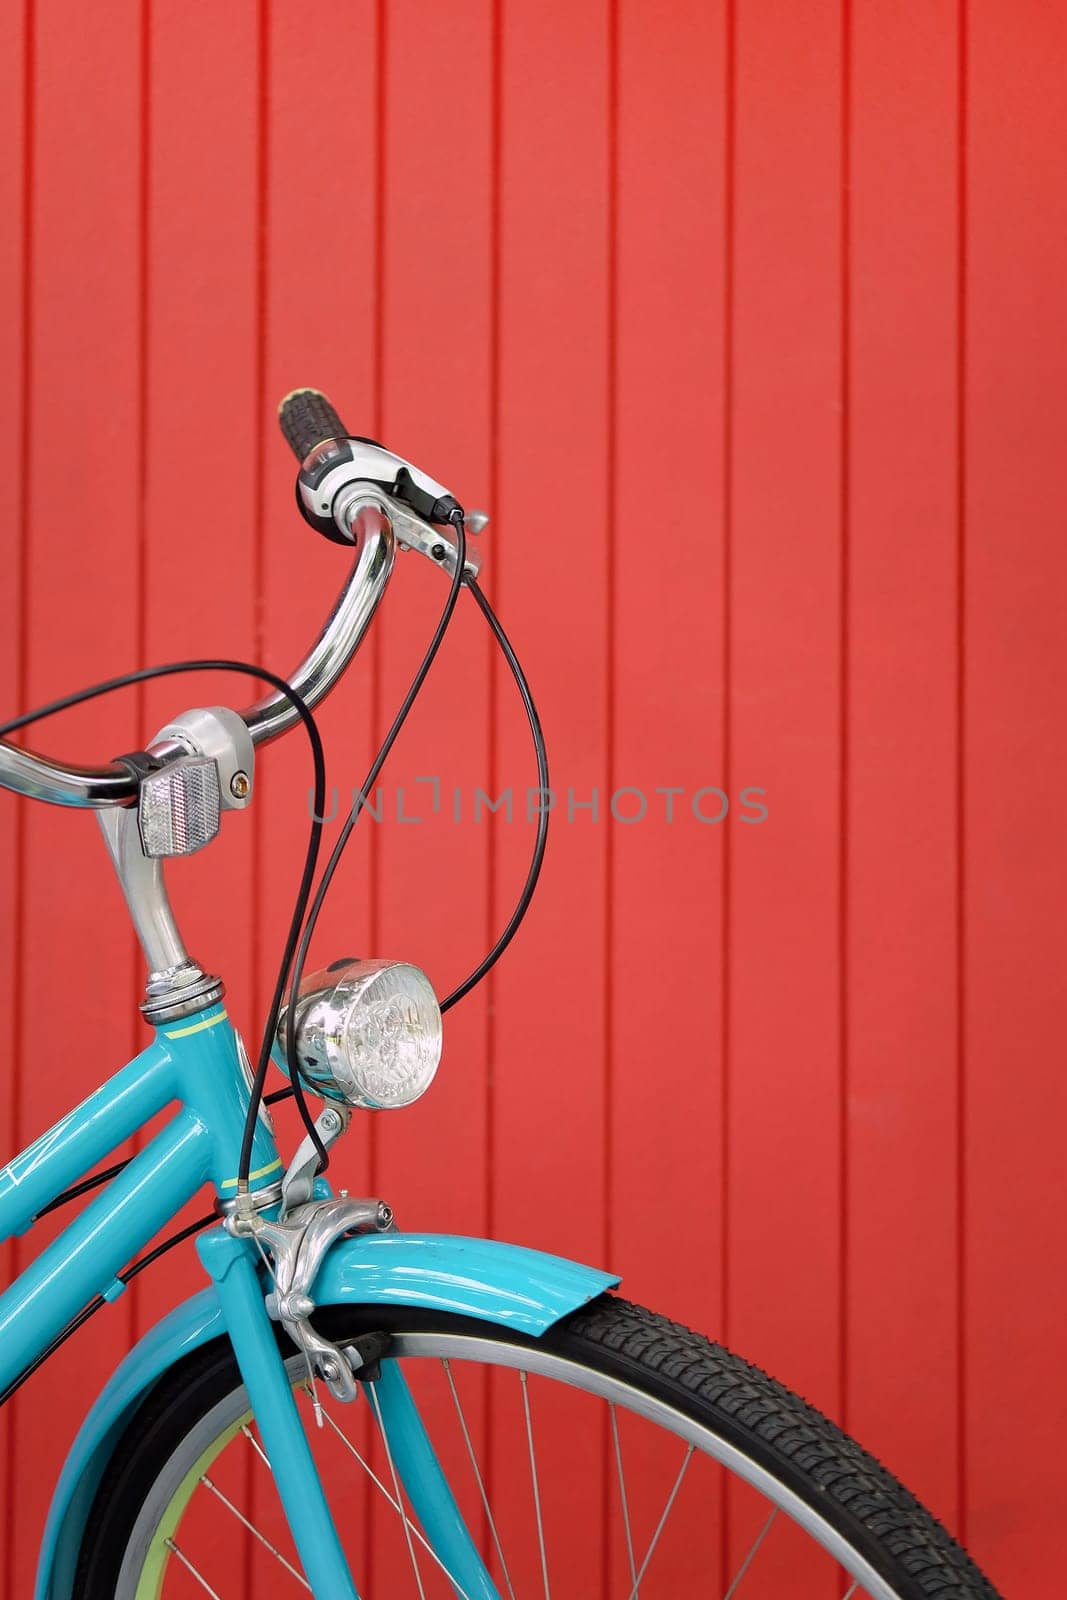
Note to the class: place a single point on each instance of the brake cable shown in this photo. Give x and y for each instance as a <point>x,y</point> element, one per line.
<point>366,788</point>
<point>461,579</point>
<point>544,796</point>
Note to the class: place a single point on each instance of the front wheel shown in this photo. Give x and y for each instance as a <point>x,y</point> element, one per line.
<point>620,1455</point>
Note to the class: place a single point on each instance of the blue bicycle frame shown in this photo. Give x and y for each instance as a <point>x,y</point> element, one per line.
<point>195,1065</point>
<point>192,1064</point>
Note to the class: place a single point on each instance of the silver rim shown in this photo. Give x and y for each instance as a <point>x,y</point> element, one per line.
<point>782,1503</point>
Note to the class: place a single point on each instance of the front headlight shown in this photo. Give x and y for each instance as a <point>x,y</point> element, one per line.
<point>367,1033</point>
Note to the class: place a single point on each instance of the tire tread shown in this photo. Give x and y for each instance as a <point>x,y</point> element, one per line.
<point>792,1434</point>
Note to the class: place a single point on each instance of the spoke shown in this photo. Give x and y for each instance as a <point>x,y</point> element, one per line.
<point>662,1523</point>
<point>373,1388</point>
<point>747,1562</point>
<point>264,1541</point>
<point>380,1486</point>
<point>533,1479</point>
<point>622,1495</point>
<point>188,1565</point>
<point>256,1446</point>
<point>477,1473</point>
<point>852,1589</point>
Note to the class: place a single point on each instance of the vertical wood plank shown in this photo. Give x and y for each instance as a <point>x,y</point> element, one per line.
<point>80,607</point>
<point>433,872</point>
<point>202,429</point>
<point>548,579</point>
<point>665,575</point>
<point>15,26</point>
<point>204,435</point>
<point>435,410</point>
<point>202,440</point>
<point>549,1062</point>
<point>1015,688</point>
<point>324,339</point>
<point>901,1109</point>
<point>321,288</point>
<point>666,561</point>
<point>784,1066</point>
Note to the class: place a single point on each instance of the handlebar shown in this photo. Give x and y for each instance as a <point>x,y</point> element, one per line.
<point>361,516</point>
<point>40,778</point>
<point>339,640</point>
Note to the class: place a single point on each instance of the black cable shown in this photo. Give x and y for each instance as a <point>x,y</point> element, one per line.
<point>170,669</point>
<point>366,789</point>
<point>98,1303</point>
<point>541,837</point>
<point>78,1189</point>
<point>168,1244</point>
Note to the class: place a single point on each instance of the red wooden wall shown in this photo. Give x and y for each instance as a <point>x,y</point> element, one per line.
<point>747,321</point>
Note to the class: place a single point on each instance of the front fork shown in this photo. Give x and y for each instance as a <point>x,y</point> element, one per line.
<point>231,1263</point>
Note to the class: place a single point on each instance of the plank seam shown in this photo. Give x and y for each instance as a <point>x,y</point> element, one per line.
<point>22,676</point>
<point>962,176</point>
<point>843,710</point>
<point>729,181</point>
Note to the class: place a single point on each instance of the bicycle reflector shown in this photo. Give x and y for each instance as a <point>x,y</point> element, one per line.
<point>367,1033</point>
<point>178,807</point>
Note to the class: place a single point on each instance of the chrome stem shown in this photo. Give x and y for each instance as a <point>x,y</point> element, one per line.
<point>176,984</point>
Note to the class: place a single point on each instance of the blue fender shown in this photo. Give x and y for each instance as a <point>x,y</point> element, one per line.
<point>502,1283</point>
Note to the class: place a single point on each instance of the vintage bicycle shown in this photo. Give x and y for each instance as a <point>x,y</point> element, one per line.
<point>374,1412</point>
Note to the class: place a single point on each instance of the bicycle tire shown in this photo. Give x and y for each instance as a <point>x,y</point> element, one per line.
<point>609,1347</point>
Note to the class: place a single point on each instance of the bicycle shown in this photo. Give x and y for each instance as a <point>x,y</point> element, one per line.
<point>435,1349</point>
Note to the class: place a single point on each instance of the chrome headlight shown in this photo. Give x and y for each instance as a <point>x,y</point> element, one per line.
<point>367,1033</point>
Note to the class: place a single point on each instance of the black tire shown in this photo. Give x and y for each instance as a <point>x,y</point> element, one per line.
<point>800,1449</point>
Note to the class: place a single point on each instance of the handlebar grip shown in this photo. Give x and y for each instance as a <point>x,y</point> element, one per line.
<point>306,419</point>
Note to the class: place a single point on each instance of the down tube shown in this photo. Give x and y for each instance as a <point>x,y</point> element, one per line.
<point>84,1260</point>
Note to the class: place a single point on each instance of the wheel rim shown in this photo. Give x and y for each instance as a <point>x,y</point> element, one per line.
<point>154,1552</point>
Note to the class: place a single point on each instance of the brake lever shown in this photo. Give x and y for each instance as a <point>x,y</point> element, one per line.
<point>440,544</point>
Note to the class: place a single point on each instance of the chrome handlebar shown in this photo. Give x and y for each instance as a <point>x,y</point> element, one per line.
<point>366,516</point>
<point>65,785</point>
<point>372,534</point>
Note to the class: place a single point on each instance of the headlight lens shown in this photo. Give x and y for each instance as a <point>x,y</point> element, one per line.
<point>367,1033</point>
